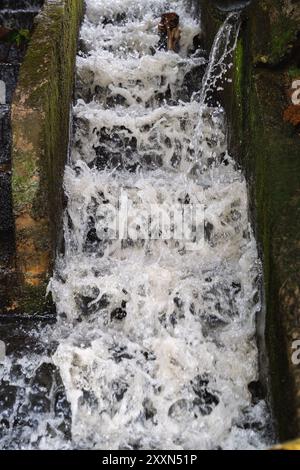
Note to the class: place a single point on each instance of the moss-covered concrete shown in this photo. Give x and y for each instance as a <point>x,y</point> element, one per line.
<point>266,61</point>
<point>40,126</point>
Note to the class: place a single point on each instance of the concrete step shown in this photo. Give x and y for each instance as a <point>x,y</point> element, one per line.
<point>5,135</point>
<point>18,19</point>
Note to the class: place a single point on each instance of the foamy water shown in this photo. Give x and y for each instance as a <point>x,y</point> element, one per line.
<point>155,344</point>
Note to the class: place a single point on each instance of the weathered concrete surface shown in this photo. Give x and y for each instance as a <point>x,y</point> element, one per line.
<point>40,125</point>
<point>265,139</point>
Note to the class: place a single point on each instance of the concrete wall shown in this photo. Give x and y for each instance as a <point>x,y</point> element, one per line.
<point>265,140</point>
<point>40,126</point>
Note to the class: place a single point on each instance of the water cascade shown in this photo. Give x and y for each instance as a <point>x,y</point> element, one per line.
<point>155,342</point>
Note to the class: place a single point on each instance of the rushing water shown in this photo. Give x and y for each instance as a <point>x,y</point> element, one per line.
<point>155,344</point>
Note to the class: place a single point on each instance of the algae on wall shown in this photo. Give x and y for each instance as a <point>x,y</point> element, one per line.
<point>266,61</point>
<point>40,125</point>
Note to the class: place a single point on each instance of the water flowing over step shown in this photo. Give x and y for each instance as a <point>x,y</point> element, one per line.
<point>155,345</point>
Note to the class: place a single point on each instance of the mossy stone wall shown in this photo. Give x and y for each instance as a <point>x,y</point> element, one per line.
<point>266,61</point>
<point>40,126</point>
